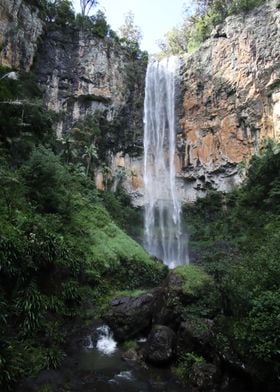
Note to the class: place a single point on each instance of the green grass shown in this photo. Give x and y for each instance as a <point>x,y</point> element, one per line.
<point>194,279</point>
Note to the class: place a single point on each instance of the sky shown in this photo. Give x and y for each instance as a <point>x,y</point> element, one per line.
<point>154,17</point>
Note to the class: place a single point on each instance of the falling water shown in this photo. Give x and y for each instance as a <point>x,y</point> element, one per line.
<point>163,232</point>
<point>105,343</point>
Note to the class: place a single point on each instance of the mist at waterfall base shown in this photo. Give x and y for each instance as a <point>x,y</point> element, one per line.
<point>164,237</point>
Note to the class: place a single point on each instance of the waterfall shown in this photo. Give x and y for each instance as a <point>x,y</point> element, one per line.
<point>163,230</point>
<point>105,342</point>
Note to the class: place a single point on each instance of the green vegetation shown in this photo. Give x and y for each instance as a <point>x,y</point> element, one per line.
<point>130,345</point>
<point>193,279</point>
<point>61,253</point>
<point>184,365</point>
<point>236,238</point>
<point>193,295</point>
<point>129,218</point>
<point>198,26</point>
<point>60,13</point>
<point>96,24</point>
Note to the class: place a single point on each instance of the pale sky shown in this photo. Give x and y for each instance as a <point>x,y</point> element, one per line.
<point>154,17</point>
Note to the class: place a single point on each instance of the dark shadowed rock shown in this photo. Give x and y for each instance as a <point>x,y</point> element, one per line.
<point>130,355</point>
<point>204,377</point>
<point>129,317</point>
<point>195,336</point>
<point>160,346</point>
<point>166,312</point>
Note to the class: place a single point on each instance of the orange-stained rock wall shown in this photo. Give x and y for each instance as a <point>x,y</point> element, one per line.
<point>231,100</point>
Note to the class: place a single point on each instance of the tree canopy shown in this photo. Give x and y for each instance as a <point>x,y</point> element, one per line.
<point>130,32</point>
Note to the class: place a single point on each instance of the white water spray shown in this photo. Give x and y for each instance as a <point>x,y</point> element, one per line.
<point>105,343</point>
<point>163,232</point>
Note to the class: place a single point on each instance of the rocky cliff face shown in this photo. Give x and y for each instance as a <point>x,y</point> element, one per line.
<point>231,100</point>
<point>20,28</point>
<point>82,74</point>
<point>230,92</point>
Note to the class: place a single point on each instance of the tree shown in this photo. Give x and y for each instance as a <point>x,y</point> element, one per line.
<point>99,24</point>
<point>129,32</point>
<point>86,6</point>
<point>60,12</point>
<point>90,155</point>
<point>175,41</point>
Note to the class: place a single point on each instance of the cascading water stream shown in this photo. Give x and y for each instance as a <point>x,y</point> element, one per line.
<point>163,230</point>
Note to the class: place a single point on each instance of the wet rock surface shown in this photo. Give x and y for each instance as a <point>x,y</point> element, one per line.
<point>171,335</point>
<point>85,369</point>
<point>160,346</point>
<point>129,317</point>
<point>204,377</point>
<point>131,355</point>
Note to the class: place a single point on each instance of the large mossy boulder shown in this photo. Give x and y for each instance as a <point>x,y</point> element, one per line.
<point>183,288</point>
<point>189,281</point>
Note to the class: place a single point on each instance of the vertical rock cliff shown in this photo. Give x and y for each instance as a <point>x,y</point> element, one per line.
<point>82,74</point>
<point>230,96</point>
<point>20,28</point>
<point>231,100</point>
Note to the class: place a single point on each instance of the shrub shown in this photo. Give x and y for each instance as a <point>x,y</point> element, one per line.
<point>48,182</point>
<point>194,279</point>
<point>184,364</point>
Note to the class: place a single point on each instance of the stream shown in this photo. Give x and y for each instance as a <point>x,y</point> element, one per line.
<point>112,373</point>
<point>94,363</point>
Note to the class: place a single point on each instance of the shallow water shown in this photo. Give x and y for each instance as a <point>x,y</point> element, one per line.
<point>112,373</point>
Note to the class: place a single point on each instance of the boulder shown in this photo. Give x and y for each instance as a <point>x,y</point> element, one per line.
<point>204,377</point>
<point>130,355</point>
<point>129,317</point>
<point>183,286</point>
<point>166,312</point>
<point>195,336</point>
<point>160,346</point>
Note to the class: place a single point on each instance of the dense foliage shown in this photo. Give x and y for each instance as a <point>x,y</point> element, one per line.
<point>200,21</point>
<point>60,251</point>
<point>236,240</point>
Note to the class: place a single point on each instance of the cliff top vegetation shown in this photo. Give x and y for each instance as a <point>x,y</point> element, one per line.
<point>199,24</point>
<point>61,13</point>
